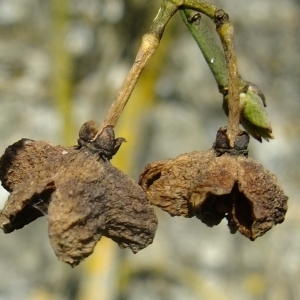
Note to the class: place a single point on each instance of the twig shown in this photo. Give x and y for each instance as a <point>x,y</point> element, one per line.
<point>225,30</point>
<point>148,46</point>
<point>150,42</point>
<point>226,33</point>
<point>254,117</point>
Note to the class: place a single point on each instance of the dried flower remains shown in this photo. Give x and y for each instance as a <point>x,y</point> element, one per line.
<point>84,196</point>
<point>219,183</point>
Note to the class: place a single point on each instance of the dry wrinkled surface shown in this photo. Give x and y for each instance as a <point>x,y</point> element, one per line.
<point>84,196</point>
<point>213,187</point>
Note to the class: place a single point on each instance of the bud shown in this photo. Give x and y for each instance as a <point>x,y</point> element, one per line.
<point>254,117</point>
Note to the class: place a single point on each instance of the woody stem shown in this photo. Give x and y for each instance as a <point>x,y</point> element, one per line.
<point>150,42</point>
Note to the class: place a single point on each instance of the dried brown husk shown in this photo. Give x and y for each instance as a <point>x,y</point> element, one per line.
<point>84,196</point>
<point>211,187</point>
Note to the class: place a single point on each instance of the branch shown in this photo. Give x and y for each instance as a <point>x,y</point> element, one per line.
<point>254,117</point>
<point>226,33</point>
<point>150,43</point>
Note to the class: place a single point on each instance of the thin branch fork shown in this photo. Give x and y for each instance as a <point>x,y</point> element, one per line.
<point>150,43</point>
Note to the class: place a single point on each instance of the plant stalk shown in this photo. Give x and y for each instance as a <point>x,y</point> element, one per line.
<point>150,42</point>
<point>226,33</point>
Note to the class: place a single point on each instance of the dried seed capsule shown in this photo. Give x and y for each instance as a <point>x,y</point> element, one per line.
<point>216,184</point>
<point>84,196</point>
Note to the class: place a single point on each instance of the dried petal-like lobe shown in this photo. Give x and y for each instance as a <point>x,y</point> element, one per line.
<point>214,178</point>
<point>24,156</point>
<point>211,187</point>
<point>97,200</point>
<point>85,197</point>
<point>167,186</point>
<point>179,186</point>
<point>25,204</point>
<point>20,166</point>
<point>265,198</point>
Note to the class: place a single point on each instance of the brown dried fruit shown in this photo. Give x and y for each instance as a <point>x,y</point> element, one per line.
<point>216,184</point>
<point>84,196</point>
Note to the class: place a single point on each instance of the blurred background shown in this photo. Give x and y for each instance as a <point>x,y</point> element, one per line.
<point>62,63</point>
